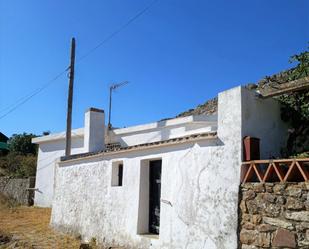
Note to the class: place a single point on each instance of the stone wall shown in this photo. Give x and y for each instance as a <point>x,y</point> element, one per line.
<point>274,215</point>
<point>18,189</point>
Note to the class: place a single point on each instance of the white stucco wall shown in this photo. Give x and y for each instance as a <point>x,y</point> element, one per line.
<point>52,147</point>
<point>48,154</point>
<point>86,203</point>
<point>199,179</point>
<point>261,119</point>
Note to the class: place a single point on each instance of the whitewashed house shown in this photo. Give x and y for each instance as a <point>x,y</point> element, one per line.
<point>170,184</point>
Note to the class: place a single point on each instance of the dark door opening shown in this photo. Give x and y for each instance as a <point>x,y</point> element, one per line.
<point>154,195</point>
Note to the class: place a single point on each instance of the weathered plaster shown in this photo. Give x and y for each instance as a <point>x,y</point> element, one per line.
<point>91,139</point>
<point>48,154</point>
<point>85,202</point>
<point>200,181</point>
<point>262,118</point>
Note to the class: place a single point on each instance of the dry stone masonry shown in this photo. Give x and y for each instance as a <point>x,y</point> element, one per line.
<point>18,189</point>
<point>274,215</point>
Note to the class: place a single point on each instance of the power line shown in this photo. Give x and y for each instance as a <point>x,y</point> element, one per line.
<point>33,92</point>
<point>140,13</point>
<point>26,98</point>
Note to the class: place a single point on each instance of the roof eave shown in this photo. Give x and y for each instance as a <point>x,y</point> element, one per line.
<point>165,143</point>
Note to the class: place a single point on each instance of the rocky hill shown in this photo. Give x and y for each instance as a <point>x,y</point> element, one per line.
<point>210,106</point>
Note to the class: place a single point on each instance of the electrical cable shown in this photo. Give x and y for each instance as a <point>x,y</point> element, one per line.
<point>140,13</point>
<point>26,98</point>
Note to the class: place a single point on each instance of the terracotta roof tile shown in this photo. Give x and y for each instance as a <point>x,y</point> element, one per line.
<point>207,135</point>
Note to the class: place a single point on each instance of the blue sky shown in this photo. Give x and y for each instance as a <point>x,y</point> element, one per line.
<point>176,56</point>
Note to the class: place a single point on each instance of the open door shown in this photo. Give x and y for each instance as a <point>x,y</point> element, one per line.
<point>154,196</point>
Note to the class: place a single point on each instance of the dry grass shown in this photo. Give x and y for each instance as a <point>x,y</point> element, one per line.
<point>28,227</point>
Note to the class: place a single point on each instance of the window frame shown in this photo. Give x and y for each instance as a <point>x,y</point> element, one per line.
<point>117,174</point>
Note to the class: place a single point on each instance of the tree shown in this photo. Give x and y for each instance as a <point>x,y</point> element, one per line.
<point>295,108</point>
<point>21,160</point>
<point>302,68</point>
<point>21,143</point>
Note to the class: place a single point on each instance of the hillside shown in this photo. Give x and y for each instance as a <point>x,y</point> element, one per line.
<point>210,106</point>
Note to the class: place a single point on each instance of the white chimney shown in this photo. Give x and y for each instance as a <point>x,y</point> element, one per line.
<point>94,130</point>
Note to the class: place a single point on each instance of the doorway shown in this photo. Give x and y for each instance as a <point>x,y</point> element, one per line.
<point>154,196</point>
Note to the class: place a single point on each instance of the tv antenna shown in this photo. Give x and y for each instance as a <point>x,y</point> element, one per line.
<point>111,89</point>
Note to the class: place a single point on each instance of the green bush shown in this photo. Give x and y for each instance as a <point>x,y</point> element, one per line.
<point>17,165</point>
<point>21,160</point>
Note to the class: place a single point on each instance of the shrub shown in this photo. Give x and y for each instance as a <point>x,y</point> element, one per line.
<point>18,165</point>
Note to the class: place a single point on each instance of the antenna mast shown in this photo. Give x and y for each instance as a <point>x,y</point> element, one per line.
<point>111,89</point>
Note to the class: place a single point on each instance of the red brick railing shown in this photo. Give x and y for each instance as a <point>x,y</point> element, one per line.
<point>276,170</point>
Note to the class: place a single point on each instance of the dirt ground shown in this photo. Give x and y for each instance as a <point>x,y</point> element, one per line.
<point>28,227</point>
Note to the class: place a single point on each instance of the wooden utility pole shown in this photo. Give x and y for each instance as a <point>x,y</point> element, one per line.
<point>70,100</point>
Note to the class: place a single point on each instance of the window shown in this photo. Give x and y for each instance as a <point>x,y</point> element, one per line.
<point>117,173</point>
<point>120,174</point>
